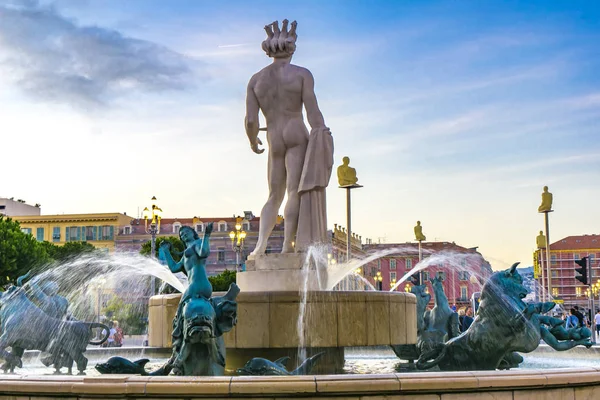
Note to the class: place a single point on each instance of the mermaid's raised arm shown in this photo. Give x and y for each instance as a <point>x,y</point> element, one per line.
<point>203,250</point>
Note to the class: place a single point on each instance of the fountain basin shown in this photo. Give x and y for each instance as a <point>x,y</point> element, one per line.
<point>267,324</point>
<point>575,383</point>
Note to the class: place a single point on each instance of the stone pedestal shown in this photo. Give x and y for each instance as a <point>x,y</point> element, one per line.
<point>267,324</point>
<point>278,272</point>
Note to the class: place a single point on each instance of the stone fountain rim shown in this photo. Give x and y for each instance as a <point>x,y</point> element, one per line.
<point>312,296</point>
<point>115,386</point>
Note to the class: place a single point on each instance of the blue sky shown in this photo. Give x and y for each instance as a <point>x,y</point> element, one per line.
<point>454,113</point>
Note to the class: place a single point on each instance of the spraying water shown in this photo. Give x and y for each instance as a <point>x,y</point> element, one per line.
<point>85,280</point>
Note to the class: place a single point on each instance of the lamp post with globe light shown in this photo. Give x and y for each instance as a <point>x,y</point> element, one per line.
<point>237,241</point>
<point>154,215</point>
<point>378,281</point>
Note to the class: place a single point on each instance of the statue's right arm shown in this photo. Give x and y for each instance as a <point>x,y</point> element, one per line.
<point>251,122</point>
<point>165,254</point>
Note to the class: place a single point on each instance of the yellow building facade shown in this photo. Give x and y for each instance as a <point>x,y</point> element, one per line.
<point>100,230</point>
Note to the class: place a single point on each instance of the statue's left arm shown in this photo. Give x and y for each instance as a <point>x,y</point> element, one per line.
<point>313,114</point>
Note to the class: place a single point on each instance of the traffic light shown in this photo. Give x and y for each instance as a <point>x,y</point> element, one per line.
<point>583,271</point>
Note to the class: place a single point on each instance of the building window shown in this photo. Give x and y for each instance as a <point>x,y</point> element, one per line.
<point>553,259</point>
<point>221,254</point>
<point>463,275</point>
<point>176,227</point>
<point>222,226</point>
<point>90,232</point>
<point>127,230</point>
<point>555,292</point>
<point>39,234</point>
<point>199,228</point>
<point>246,226</point>
<point>554,274</point>
<point>578,291</point>
<point>106,232</point>
<point>392,276</point>
<point>72,233</point>
<point>576,256</point>
<point>425,276</point>
<point>56,234</point>
<point>594,272</point>
<point>379,263</point>
<point>26,231</point>
<point>409,263</point>
<point>441,275</point>
<point>463,263</point>
<point>393,264</point>
<point>464,292</point>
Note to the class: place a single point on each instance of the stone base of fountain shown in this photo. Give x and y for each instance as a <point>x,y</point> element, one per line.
<point>278,272</point>
<point>267,324</point>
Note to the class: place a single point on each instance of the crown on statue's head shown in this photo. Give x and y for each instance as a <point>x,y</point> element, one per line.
<point>280,43</point>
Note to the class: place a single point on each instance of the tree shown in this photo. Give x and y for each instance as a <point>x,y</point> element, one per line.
<point>67,251</point>
<point>176,245</point>
<point>19,252</point>
<point>221,282</point>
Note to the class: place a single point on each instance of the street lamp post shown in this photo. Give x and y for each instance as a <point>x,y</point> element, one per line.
<point>237,242</point>
<point>154,215</point>
<point>546,208</point>
<point>379,281</point>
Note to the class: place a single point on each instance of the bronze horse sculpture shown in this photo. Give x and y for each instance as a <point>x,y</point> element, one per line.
<point>504,324</point>
<point>26,327</point>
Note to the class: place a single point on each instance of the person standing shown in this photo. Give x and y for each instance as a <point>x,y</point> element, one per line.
<point>579,316</point>
<point>597,321</point>
<point>468,319</point>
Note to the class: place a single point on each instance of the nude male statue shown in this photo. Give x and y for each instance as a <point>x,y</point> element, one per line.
<point>279,90</point>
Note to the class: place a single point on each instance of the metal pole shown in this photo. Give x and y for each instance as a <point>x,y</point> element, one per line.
<point>153,255</point>
<point>548,272</point>
<point>420,258</point>
<point>349,224</point>
<point>591,303</point>
<point>543,275</point>
<point>237,259</point>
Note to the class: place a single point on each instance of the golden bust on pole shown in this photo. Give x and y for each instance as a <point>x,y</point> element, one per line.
<point>546,205</point>
<point>346,174</point>
<point>419,232</point>
<point>540,240</point>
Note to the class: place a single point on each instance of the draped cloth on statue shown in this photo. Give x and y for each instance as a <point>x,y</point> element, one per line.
<point>318,163</point>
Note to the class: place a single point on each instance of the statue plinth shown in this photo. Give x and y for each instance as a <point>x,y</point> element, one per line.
<point>278,272</point>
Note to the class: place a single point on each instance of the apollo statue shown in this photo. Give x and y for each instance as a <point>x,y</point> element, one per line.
<point>299,163</point>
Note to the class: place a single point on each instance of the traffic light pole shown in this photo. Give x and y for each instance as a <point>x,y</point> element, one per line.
<point>592,325</point>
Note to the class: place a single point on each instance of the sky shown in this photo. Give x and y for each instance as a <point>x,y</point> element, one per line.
<point>453,113</point>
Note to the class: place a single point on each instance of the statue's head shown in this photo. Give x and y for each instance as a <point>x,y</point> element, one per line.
<point>199,321</point>
<point>505,284</point>
<point>541,232</point>
<point>187,234</point>
<point>346,160</point>
<point>418,222</point>
<point>545,189</point>
<point>280,43</point>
